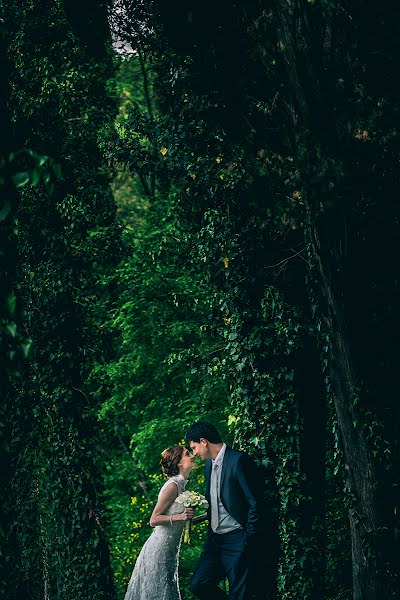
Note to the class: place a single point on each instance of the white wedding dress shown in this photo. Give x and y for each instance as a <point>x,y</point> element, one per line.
<point>155,575</point>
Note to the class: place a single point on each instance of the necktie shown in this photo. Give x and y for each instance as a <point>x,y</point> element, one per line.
<point>214,497</point>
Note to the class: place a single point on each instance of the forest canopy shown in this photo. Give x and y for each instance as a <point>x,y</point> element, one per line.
<point>199,219</point>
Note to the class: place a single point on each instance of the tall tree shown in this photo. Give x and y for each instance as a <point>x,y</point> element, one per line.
<point>14,346</point>
<point>60,60</point>
<point>339,59</point>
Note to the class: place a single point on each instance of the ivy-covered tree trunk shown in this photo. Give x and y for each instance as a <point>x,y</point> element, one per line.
<point>15,580</point>
<point>66,239</point>
<point>325,54</point>
<point>11,355</point>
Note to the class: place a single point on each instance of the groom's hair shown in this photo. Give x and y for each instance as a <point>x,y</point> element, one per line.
<point>202,429</point>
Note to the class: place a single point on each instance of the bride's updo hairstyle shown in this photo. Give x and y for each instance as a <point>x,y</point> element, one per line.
<point>170,459</point>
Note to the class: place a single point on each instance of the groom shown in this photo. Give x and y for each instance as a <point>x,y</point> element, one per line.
<point>235,515</point>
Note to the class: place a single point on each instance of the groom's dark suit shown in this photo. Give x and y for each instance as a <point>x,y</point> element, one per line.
<point>231,554</point>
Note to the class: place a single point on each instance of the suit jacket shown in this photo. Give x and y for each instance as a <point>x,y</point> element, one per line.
<point>241,492</point>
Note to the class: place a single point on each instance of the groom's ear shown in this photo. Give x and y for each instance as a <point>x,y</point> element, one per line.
<point>203,441</point>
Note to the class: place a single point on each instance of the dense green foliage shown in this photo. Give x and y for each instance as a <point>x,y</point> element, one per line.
<point>159,378</point>
<point>14,345</point>
<point>254,165</point>
<point>65,238</point>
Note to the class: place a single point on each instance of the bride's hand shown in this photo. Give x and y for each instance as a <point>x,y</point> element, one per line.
<point>187,514</point>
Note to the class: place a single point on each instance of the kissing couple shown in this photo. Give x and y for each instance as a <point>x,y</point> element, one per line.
<point>234,493</point>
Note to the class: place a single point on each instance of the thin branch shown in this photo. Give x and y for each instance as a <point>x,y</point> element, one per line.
<point>146,88</point>
<point>146,91</point>
<point>285,260</point>
<point>144,183</point>
<point>301,256</point>
<point>82,392</point>
<point>216,350</point>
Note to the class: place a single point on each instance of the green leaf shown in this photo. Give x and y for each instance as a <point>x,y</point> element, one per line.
<point>11,303</point>
<point>21,179</point>
<point>5,211</point>
<point>11,328</point>
<point>34,175</point>
<point>26,346</point>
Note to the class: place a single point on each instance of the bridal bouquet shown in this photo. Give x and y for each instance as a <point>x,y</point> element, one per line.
<point>191,500</point>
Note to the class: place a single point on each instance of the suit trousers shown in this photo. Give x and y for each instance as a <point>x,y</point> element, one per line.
<point>223,556</point>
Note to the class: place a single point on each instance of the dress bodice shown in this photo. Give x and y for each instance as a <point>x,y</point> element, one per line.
<point>180,483</point>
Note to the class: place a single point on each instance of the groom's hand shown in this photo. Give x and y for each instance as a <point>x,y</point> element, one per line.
<point>200,518</point>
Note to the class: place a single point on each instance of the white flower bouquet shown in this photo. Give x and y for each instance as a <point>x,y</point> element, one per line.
<point>190,499</point>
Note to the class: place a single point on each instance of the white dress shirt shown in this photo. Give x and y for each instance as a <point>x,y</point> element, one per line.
<point>221,520</point>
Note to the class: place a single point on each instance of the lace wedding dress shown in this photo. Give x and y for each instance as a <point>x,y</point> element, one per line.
<point>155,576</point>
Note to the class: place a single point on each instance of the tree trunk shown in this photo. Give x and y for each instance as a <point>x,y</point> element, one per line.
<point>60,259</point>
<point>307,53</point>
<point>359,467</point>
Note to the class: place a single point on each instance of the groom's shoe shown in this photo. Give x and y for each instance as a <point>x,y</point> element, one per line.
<point>205,591</point>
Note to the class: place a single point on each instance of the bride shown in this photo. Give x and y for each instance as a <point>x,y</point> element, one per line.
<point>155,575</point>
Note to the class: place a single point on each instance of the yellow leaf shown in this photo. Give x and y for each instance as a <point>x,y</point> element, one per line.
<point>163,150</point>
<point>226,262</point>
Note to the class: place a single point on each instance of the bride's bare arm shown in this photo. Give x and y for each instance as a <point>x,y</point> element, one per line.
<point>158,516</point>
